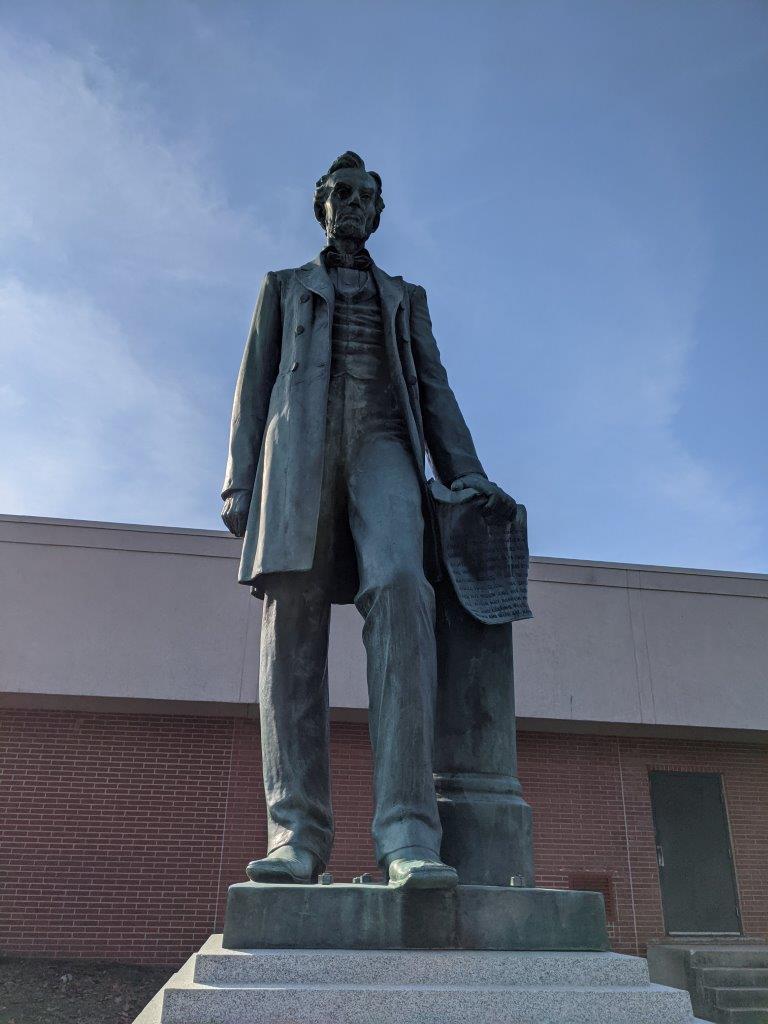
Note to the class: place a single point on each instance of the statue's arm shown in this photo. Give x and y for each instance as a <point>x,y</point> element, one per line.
<point>449,442</point>
<point>258,371</point>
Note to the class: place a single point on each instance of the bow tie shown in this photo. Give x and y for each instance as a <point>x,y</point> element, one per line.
<point>360,261</point>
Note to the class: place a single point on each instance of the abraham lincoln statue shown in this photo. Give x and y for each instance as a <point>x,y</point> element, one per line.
<point>340,396</point>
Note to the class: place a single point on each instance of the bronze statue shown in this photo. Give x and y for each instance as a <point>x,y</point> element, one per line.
<point>340,395</point>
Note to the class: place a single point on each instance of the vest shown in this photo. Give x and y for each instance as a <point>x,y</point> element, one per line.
<point>357,335</point>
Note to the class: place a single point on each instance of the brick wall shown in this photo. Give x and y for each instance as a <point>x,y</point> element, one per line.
<point>121,833</point>
<point>592,814</point>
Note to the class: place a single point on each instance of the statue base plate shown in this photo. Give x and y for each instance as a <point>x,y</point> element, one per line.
<point>261,916</point>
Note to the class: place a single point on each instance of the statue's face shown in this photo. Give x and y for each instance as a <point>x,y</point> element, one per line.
<point>350,208</point>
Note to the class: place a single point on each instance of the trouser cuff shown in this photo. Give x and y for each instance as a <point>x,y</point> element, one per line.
<point>425,843</point>
<point>410,853</point>
<point>320,851</point>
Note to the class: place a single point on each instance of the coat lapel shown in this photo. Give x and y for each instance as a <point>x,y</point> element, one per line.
<point>391,293</point>
<point>314,276</point>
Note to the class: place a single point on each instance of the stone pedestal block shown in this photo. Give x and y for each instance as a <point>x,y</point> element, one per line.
<point>412,987</point>
<point>382,917</point>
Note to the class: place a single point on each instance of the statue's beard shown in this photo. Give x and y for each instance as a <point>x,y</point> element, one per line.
<point>351,228</point>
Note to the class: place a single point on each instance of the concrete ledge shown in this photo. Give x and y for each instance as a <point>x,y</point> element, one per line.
<point>379,917</point>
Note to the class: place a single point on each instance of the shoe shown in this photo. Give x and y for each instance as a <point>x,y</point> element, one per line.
<point>286,865</point>
<point>406,873</point>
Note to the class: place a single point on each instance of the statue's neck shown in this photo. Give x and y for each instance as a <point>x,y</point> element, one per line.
<point>347,246</point>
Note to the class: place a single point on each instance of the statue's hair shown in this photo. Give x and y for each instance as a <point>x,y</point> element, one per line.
<point>322,187</point>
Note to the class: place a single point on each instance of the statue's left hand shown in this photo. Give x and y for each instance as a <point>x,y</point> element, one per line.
<point>496,504</point>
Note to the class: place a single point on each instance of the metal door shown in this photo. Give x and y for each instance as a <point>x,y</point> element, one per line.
<point>693,846</point>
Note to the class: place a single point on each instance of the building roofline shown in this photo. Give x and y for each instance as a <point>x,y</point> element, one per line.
<point>225,536</point>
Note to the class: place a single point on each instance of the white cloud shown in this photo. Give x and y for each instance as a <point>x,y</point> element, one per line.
<point>607,464</point>
<point>90,186</point>
<point>98,213</point>
<point>85,168</point>
<point>687,509</point>
<point>675,505</point>
<point>87,430</point>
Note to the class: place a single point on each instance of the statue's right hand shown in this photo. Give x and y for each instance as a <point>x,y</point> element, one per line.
<point>235,512</point>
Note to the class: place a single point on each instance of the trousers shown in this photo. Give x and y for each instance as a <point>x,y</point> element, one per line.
<point>371,498</point>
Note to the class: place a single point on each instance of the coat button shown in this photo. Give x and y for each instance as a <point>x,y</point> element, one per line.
<point>304,297</point>
<point>300,329</point>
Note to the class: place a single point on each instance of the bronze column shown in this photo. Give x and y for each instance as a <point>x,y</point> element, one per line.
<point>486,823</point>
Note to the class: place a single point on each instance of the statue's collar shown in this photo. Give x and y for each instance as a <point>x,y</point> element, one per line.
<point>314,276</point>
<point>361,260</point>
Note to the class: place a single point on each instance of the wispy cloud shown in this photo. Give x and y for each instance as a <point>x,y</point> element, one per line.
<point>96,204</point>
<point>98,213</point>
<point>574,232</point>
<point>87,173</point>
<point>88,430</point>
<point>621,376</point>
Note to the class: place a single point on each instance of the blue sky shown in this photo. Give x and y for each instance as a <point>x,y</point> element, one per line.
<point>579,185</point>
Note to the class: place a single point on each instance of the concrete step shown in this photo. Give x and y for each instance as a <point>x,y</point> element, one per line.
<point>731,957</point>
<point>754,998</point>
<point>388,1004</point>
<point>733,977</point>
<point>743,1016</point>
<point>217,966</point>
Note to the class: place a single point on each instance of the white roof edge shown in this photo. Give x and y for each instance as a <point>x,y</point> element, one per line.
<point>224,535</point>
<point>95,524</point>
<point>640,566</point>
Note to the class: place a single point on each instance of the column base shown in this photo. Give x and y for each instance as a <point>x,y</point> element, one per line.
<point>487,828</point>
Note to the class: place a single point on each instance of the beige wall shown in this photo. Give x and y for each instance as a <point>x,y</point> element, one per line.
<point>105,610</point>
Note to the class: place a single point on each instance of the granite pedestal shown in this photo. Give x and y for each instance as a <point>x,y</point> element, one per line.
<point>221,986</point>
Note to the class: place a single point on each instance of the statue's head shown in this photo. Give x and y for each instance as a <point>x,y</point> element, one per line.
<point>348,200</point>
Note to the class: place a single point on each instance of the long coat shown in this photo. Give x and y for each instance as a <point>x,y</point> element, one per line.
<point>277,438</point>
